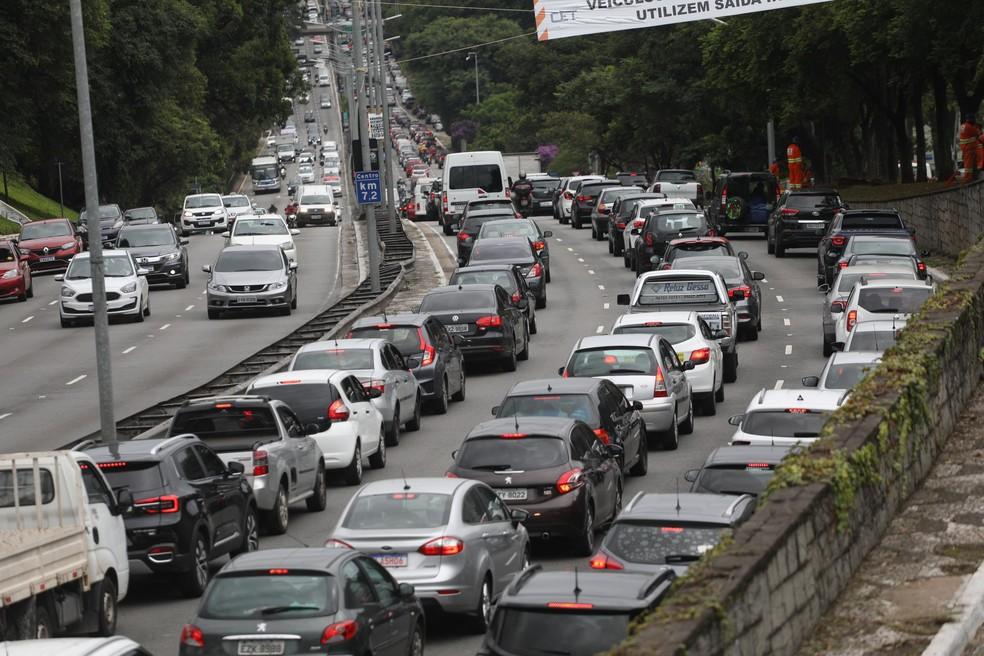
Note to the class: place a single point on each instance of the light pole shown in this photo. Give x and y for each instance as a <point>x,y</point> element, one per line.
<point>386,152</point>
<point>474,55</point>
<point>61,195</point>
<point>362,121</point>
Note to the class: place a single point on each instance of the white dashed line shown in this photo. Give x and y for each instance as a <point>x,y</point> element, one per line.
<point>28,319</point>
<point>129,350</point>
<point>779,384</point>
<point>591,272</point>
<point>165,326</point>
<point>204,291</point>
<point>785,321</point>
<point>5,415</point>
<point>606,306</point>
<point>570,249</point>
<point>52,303</point>
<point>580,259</point>
<point>77,379</point>
<point>789,349</point>
<point>764,280</point>
<point>779,298</point>
<point>189,308</point>
<point>560,239</point>
<point>600,329</point>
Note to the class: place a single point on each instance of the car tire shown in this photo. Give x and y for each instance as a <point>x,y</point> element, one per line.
<point>439,406</point>
<point>251,533</point>
<point>193,582</point>
<point>285,311</point>
<point>22,298</point>
<point>42,627</point>
<point>594,233</point>
<point>779,248</point>
<point>828,348</point>
<point>575,221</point>
<point>446,228</point>
<point>687,427</point>
<point>414,423</point>
<point>509,361</point>
<point>625,259</point>
<point>416,642</point>
<point>393,430</point>
<point>730,367</point>
<point>751,333</point>
<point>533,328</point>
<point>214,314</point>
<point>611,246</point>
<point>541,301</point>
<point>146,311</point>
<point>770,246</point>
<point>641,465</point>
<point>460,394</point>
<point>670,439</point>
<point>584,544</point>
<point>293,301</point>
<point>548,274</point>
<point>524,355</point>
<point>106,612</point>
<point>140,316</point>
<point>707,404</point>
<point>378,459</point>
<point>483,610</point>
<point>616,505</point>
<point>277,518</point>
<point>352,474</point>
<point>719,394</point>
<point>319,500</point>
<point>66,323</point>
<point>181,283</point>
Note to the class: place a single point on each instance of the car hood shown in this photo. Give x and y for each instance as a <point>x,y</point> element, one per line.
<point>252,240</point>
<point>113,283</point>
<point>151,251</point>
<point>50,242</point>
<point>7,266</point>
<point>247,277</point>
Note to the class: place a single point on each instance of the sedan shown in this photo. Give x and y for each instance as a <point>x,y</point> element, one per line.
<point>267,229</point>
<point>743,288</point>
<point>251,278</point>
<point>518,251</point>
<point>15,273</point>
<point>49,244</point>
<point>509,277</point>
<point>521,228</point>
<point>127,291</point>
<point>110,222</point>
<point>453,539</point>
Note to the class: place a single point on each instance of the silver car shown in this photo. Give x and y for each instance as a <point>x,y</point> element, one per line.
<point>258,277</point>
<point>453,539</point>
<point>380,366</point>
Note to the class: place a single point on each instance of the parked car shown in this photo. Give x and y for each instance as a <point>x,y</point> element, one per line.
<point>159,250</point>
<point>15,273</point>
<point>49,244</point>
<point>127,291</point>
<point>251,278</point>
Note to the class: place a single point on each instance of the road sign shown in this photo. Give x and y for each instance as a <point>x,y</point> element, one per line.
<point>368,190</point>
<point>376,130</point>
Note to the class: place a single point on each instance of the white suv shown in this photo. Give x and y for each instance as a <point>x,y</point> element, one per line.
<point>876,300</point>
<point>316,204</point>
<point>785,417</point>
<point>204,212</point>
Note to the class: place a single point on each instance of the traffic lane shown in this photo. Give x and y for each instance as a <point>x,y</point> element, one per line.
<point>175,349</point>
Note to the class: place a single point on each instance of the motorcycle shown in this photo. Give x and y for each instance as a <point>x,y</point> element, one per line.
<point>524,204</point>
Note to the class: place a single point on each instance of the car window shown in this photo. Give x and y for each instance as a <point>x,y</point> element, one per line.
<point>871,340</point>
<point>492,508</point>
<point>188,465</point>
<point>137,238</point>
<point>848,374</point>
<point>249,260</point>
<point>334,358</point>
<point>653,543</point>
<point>574,406</point>
<point>280,593</point>
<point>674,333</point>
<point>739,478</point>
<point>580,445</point>
<point>405,338</point>
<point>876,222</point>
<point>813,202</point>
<point>522,451</point>
<point>535,631</point>
<point>356,392</point>
<point>516,251</point>
<point>669,356</point>
<point>399,510</point>
<point>212,463</point>
<point>309,401</point>
<point>290,422</point>
<point>464,300</point>
<point>613,361</point>
<point>893,300</point>
<point>395,359</point>
<point>41,230</point>
<point>882,246</point>
<point>224,426</point>
<point>357,589</point>
<point>95,487</point>
<point>381,581</point>
<point>487,177</point>
<point>675,223</point>
<point>788,422</point>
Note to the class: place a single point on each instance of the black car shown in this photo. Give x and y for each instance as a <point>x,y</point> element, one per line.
<point>848,223</point>
<point>490,325</point>
<point>325,600</point>
<point>555,468</point>
<point>159,249</point>
<point>518,251</point>
<point>597,402</point>
<point>661,228</point>
<point>572,613</point>
<point>801,218</point>
<point>742,202</point>
<point>882,249</point>
<point>622,211</point>
<point>632,179</point>
<point>543,194</point>
<point>680,249</point>
<point>585,197</point>
<point>509,277</point>
<point>743,288</point>
<point>737,469</point>
<point>522,228</point>
<point>604,204</point>
<point>141,216</point>
<point>471,224</point>
<point>110,222</point>
<point>189,508</point>
<point>440,371</point>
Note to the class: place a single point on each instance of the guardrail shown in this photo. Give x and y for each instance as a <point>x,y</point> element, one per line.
<point>13,214</point>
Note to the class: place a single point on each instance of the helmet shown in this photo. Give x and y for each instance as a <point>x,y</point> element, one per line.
<point>522,175</point>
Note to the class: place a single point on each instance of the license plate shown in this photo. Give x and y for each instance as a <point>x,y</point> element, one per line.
<point>811,225</point>
<point>47,258</point>
<point>391,560</point>
<point>518,494</point>
<point>457,328</point>
<point>627,391</point>
<point>246,299</point>
<point>545,203</point>
<point>201,224</point>
<point>261,647</point>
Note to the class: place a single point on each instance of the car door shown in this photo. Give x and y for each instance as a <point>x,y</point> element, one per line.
<point>717,358</point>
<point>514,316</point>
<point>107,530</point>
<point>394,612</point>
<point>192,471</point>
<point>227,488</point>
<point>359,597</point>
<point>360,407</point>
<point>675,378</point>
<point>584,449</point>
<point>304,453</point>
<point>490,519</point>
<point>623,419</point>
<point>449,357</point>
<point>398,372</point>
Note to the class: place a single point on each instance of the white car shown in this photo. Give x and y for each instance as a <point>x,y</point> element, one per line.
<point>264,229</point>
<point>633,227</point>
<point>844,370</point>
<point>693,340</point>
<point>346,426</point>
<point>325,102</point>
<point>785,417</point>
<point>306,173</point>
<point>330,146</point>
<point>332,162</point>
<point>237,205</point>
<point>874,300</point>
<point>203,212</point>
<point>127,291</point>
<point>567,194</point>
<point>874,335</point>
<point>306,157</point>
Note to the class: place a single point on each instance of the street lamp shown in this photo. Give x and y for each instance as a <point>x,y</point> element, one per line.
<point>474,55</point>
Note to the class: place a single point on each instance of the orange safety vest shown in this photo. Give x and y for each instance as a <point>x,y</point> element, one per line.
<point>969,132</point>
<point>793,154</point>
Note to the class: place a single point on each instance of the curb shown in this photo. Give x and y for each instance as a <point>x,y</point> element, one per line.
<point>952,638</point>
<point>937,274</point>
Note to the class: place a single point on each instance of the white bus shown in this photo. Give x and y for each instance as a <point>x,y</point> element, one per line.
<point>265,173</point>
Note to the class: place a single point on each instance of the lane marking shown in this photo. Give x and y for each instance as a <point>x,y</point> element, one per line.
<point>5,415</point>
<point>764,280</point>
<point>560,239</point>
<point>580,259</point>
<point>165,326</point>
<point>779,298</point>
<point>570,249</point>
<point>789,349</point>
<point>606,306</point>
<point>786,322</point>
<point>601,287</point>
<point>779,384</point>
<point>189,308</point>
<point>591,272</point>
<point>77,379</point>
<point>129,350</point>
<point>52,303</point>
<point>600,330</point>
<point>28,319</point>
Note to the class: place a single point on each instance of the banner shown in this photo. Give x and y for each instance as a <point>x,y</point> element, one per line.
<point>376,130</point>
<point>558,19</point>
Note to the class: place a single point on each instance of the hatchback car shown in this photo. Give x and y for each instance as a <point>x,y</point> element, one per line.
<point>632,234</point>
<point>622,211</point>
<point>603,208</point>
<point>585,199</point>
<point>141,216</point>
<point>251,278</point>
<point>836,295</point>
<point>884,245</point>
<point>662,227</point>
<point>49,244</point>
<point>844,370</point>
<point>471,224</point>
<point>878,300</point>
<point>305,600</point>
<point>509,277</point>
<point>565,199</point>
<point>522,228</point>
<point>110,222</point>
<point>204,212</point>
<point>679,249</point>
<point>15,273</point>
<point>743,289</point>
<point>518,251</point>
<point>453,539</point>
<point>800,219</point>
<point>543,192</point>
<point>381,367</point>
<point>785,417</point>
<point>737,470</point>
<point>557,469</point>
<point>112,646</point>
<point>127,291</point>
<point>264,229</point>
<point>158,249</point>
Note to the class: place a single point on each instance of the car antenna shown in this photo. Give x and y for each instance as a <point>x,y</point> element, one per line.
<point>577,585</point>
<point>549,387</point>
<point>516,420</point>
<point>678,496</point>
<point>406,486</point>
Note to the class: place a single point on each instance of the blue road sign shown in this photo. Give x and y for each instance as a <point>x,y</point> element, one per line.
<point>368,190</point>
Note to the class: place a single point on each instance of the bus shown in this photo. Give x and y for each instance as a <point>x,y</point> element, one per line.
<point>265,173</point>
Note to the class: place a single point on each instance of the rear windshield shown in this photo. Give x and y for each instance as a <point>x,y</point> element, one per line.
<point>750,478</point>
<point>463,300</point>
<point>309,401</point>
<point>883,246</point>
<point>510,228</point>
<point>678,291</point>
<point>613,362</point>
<point>594,188</point>
<point>263,596</point>
<point>516,252</point>
<point>334,358</point>
<point>628,205</point>
<point>406,338</point>
<point>487,177</point>
<point>546,184</point>
<point>473,223</point>
<point>878,222</point>
<point>533,632</point>
<point>227,428</point>
<point>847,280</point>
<point>497,454</point>
<point>664,205</point>
<point>744,186</point>
<point>847,375</point>
<point>893,300</point>
<point>791,422</point>
<point>676,177</point>
<point>136,476</point>
<point>398,510</point>
<point>660,544</point>
<point>871,340</point>
<point>502,278</point>
<point>676,222</point>
<point>699,249</point>
<point>573,406</point>
<point>673,332</point>
<point>813,202</point>
<point>728,267</point>
<point>880,259</point>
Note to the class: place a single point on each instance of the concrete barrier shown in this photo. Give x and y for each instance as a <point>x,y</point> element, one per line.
<point>761,591</point>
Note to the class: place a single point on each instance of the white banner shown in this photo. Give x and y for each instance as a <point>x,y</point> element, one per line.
<point>557,19</point>
<point>376,130</point>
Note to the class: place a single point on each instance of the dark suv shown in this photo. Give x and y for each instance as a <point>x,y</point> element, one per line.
<point>440,372</point>
<point>801,218</point>
<point>742,202</point>
<point>849,223</point>
<point>660,229</point>
<point>189,507</point>
<point>585,199</point>
<point>621,214</point>
<point>573,613</point>
<point>159,249</point>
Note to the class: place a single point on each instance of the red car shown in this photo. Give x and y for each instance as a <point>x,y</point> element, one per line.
<point>49,244</point>
<point>15,273</point>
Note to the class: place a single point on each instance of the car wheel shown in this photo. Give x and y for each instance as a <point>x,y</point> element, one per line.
<point>483,611</point>
<point>533,328</point>
<point>352,475</point>
<point>525,353</point>
<point>688,423</point>
<point>319,500</point>
<point>378,459</point>
<point>828,348</point>
<point>641,465</point>
<point>584,543</point>
<point>107,608</point>
<point>708,406</point>
<point>214,314</point>
<point>181,283</point>
<point>43,626</point>
<point>393,430</point>
<point>293,301</point>
<point>194,581</point>
<point>285,311</point>
<point>447,229</point>
<point>611,246</point>
<point>616,506</point>
<point>416,642</point>
<point>277,518</point>
<point>414,423</point>
<point>139,316</point>
<point>251,533</point>
<point>509,361</point>
<point>30,290</point>
<point>594,233</point>
<point>670,439</point>
<point>770,246</point>
<point>460,394</point>
<point>541,301</point>
<point>66,323</point>
<point>751,333</point>
<point>21,298</point>
<point>730,367</point>
<point>146,311</point>
<point>719,394</point>
<point>548,274</point>
<point>625,259</point>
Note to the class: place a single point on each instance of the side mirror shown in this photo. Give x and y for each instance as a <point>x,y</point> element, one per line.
<point>735,420</point>
<point>719,334</point>
<point>143,272</point>
<point>124,502</point>
<point>412,363</point>
<point>622,299</point>
<point>183,242</point>
<point>454,454</point>
<point>737,295</point>
<point>461,261</point>
<point>836,309</point>
<point>743,255</point>
<point>236,467</point>
<point>458,339</point>
<point>374,393</point>
<point>294,232</point>
<point>495,410</point>
<point>912,231</point>
<point>226,234</point>
<point>407,592</point>
<point>691,475</point>
<point>758,275</point>
<point>207,268</point>
<point>292,266</point>
<point>811,381</point>
<point>548,233</point>
<point>560,371</point>
<point>518,516</point>
<point>923,253</point>
<point>60,277</point>
<point>688,365</point>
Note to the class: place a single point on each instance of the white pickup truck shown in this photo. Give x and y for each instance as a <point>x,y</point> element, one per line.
<point>63,556</point>
<point>678,183</point>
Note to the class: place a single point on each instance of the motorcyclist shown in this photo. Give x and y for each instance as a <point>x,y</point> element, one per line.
<point>522,191</point>
<point>283,171</point>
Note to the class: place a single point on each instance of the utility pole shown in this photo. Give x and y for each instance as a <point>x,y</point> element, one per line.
<point>61,194</point>
<point>474,55</point>
<point>375,71</point>
<point>387,154</point>
<point>363,131</point>
<point>770,131</point>
<point>100,315</point>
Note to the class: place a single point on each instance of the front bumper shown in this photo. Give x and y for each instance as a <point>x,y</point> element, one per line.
<point>13,288</point>
<point>229,301</point>
<point>203,224</point>
<point>795,236</point>
<point>162,271</point>
<point>125,304</point>
<point>563,515</point>
<point>51,262</point>
<point>658,414</point>
<point>327,217</point>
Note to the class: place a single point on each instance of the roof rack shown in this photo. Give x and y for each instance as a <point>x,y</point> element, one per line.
<point>730,510</point>
<point>176,438</point>
<point>523,578</point>
<point>227,397</point>
<point>85,444</point>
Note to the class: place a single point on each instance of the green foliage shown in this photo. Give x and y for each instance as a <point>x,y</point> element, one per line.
<point>30,202</point>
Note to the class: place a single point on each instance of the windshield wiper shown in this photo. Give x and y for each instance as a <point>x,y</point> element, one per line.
<point>274,610</point>
<point>806,434</point>
<point>681,558</point>
<point>885,311</point>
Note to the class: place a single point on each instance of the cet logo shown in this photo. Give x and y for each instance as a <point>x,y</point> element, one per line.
<point>563,16</point>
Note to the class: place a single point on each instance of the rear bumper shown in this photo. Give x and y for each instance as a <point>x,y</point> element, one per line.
<point>658,414</point>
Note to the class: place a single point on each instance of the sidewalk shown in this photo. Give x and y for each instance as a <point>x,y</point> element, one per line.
<point>906,587</point>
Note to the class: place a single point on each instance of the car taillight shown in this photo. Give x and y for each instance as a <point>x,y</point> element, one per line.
<point>535,271</point>
<point>568,195</point>
<point>659,385</point>
<point>842,264</point>
<point>700,356</point>
<point>726,322</point>
<point>656,188</point>
<point>338,411</point>
<point>650,240</point>
<point>164,505</point>
<point>724,196</point>
<point>335,542</point>
<point>620,226</point>
<point>638,223</point>
<point>603,561</point>
<point>516,298</point>
<point>581,198</point>
<point>508,194</point>
<point>463,236</point>
<point>838,241</point>
<point>603,435</point>
<point>493,321</point>
<point>261,465</point>
<point>921,266</point>
<point>602,209</point>
<point>374,383</point>
<point>852,319</point>
<point>429,351</point>
<point>192,636</point>
<point>747,291</point>
<point>788,211</point>
<point>538,245</point>
<point>570,480</point>
<point>442,546</point>
<point>339,632</point>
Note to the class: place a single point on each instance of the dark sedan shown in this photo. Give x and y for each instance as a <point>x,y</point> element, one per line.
<point>509,277</point>
<point>585,198</point>
<point>522,228</point>
<point>157,248</point>
<point>622,211</point>
<point>470,225</point>
<point>743,288</point>
<point>517,251</point>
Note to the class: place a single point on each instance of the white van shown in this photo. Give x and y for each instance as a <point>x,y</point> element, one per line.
<point>470,176</point>
<point>323,79</point>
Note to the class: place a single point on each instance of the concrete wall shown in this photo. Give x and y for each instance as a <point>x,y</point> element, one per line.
<point>946,222</point>
<point>763,592</point>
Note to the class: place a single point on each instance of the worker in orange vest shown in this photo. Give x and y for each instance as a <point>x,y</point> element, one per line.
<point>795,159</point>
<point>970,132</point>
<point>774,168</point>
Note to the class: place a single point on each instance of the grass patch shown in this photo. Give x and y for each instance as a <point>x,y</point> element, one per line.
<point>888,192</point>
<point>31,203</point>
<point>8,227</point>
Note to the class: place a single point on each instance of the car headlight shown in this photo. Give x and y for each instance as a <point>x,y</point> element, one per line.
<point>67,245</point>
<point>170,257</point>
<point>129,287</point>
<point>287,245</point>
<point>186,213</point>
<point>67,292</point>
<point>218,212</point>
<point>13,273</point>
<point>216,287</point>
<point>279,285</point>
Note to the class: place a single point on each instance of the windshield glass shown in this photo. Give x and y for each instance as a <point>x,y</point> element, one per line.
<point>163,236</point>
<point>517,252</point>
<point>677,222</point>
<point>106,212</point>
<point>335,358</point>
<point>226,427</point>
<point>728,267</point>
<point>463,300</point>
<point>678,291</point>
<point>251,227</point>
<point>487,177</point>
<point>673,332</point>
<point>613,362</point>
<point>751,478</point>
<point>532,632</point>
<point>526,453</point>
<point>871,340</point>
<point>893,300</point>
<point>676,177</point>
<point>882,247</point>
<point>504,278</point>
<point>207,200</point>
<point>546,184</point>
<point>315,199</point>
<point>265,260</point>
<point>473,224</point>
<point>42,230</point>
<point>645,209</point>
<point>399,510</point>
<point>264,172</point>
<point>115,267</point>
<point>309,401</point>
<point>856,222</point>
<point>847,375</point>
<point>135,476</point>
<point>262,595</point>
<point>574,406</point>
<point>510,228</point>
<point>235,201</point>
<point>698,250</point>
<point>141,213</point>
<point>653,543</point>
<point>791,422</point>
<point>407,339</point>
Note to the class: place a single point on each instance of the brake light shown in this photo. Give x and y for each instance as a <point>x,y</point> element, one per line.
<point>603,561</point>
<point>338,411</point>
<point>838,241</point>
<point>164,505</point>
<point>450,475</point>
<point>538,245</point>
<point>278,571</point>
<point>921,266</point>
<point>493,321</point>
<point>788,211</point>
<point>570,480</point>
<point>758,465</point>
<point>535,271</point>
<point>339,632</point>
<point>192,636</point>
<point>335,542</point>
<point>374,383</point>
<point>223,406</point>
<point>656,188</point>
<point>700,356</point>
<point>620,225</point>
<point>569,605</point>
<point>852,319</point>
<point>384,326</point>
<point>842,264</point>
<point>724,196</point>
<point>444,200</point>
<point>261,464</point>
<point>429,351</point>
<point>650,240</point>
<point>581,198</point>
<point>638,223</point>
<point>659,386</point>
<point>111,465</point>
<point>463,236</point>
<point>513,436</point>
<point>442,546</point>
<point>743,288</point>
<point>603,435</point>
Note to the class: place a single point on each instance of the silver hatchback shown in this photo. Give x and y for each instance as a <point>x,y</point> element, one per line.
<point>453,539</point>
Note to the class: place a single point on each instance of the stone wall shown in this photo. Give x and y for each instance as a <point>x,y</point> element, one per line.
<point>946,222</point>
<point>762,591</point>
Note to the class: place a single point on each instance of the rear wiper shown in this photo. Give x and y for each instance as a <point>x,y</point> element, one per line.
<point>681,558</point>
<point>491,467</point>
<point>626,371</point>
<point>806,434</point>
<point>274,610</point>
<point>885,311</point>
